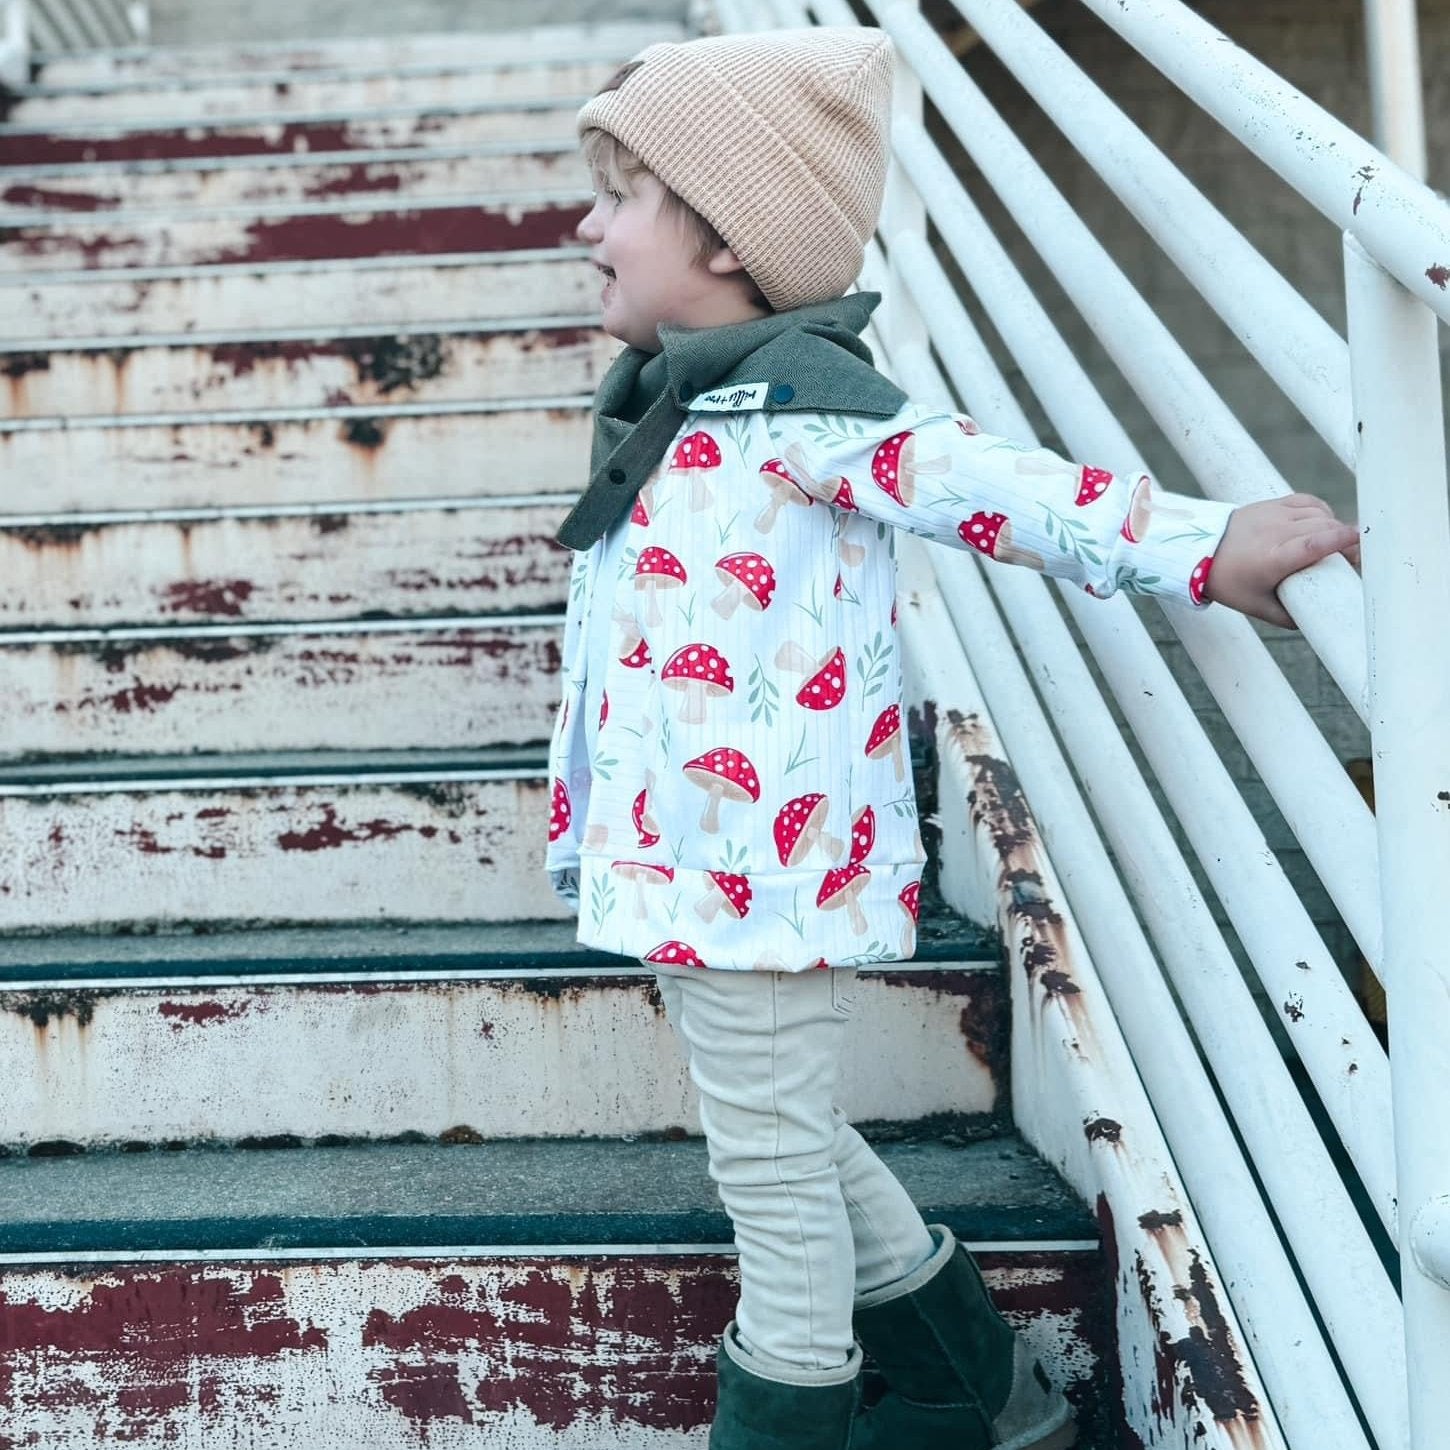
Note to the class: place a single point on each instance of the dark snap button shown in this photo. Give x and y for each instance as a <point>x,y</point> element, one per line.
<point>616,475</point>
<point>783,393</point>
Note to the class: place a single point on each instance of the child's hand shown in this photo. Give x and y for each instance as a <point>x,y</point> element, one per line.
<point>1265,542</point>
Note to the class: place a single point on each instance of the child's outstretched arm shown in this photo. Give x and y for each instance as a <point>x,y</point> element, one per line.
<point>1266,542</point>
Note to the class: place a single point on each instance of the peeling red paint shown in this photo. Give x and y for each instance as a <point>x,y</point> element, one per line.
<point>45,198</point>
<point>1439,275</point>
<point>329,833</point>
<point>207,596</point>
<point>202,1014</point>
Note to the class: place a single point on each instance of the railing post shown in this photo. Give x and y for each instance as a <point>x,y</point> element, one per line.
<point>1396,90</point>
<point>14,43</point>
<point>1405,518</point>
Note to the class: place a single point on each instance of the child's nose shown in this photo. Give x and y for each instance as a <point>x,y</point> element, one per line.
<point>589,228</point>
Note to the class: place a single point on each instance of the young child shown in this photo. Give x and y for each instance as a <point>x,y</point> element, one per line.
<point>732,802</point>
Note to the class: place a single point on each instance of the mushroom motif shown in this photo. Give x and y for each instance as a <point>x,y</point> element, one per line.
<point>886,739</point>
<point>969,426</point>
<point>643,503</point>
<point>863,834</point>
<point>841,888</point>
<point>910,899</point>
<point>596,836</point>
<point>843,498</point>
<point>1198,580</point>
<point>603,708</point>
<point>783,490</point>
<point>560,811</point>
<point>748,578</point>
<point>644,823</point>
<point>826,687</point>
<point>642,873</point>
<point>991,534</point>
<point>847,551</point>
<point>1143,508</point>
<point>728,889</point>
<point>697,670</point>
<point>1094,484</point>
<point>894,468</point>
<point>654,570</point>
<point>800,826</point>
<point>637,658</point>
<point>695,455</point>
<point>726,774</point>
<point>630,635</point>
<point>674,954</point>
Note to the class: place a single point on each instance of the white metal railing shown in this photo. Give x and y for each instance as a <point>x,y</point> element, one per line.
<point>28,27</point>
<point>1376,400</point>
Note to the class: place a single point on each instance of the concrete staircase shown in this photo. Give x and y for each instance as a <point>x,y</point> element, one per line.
<point>319,1129</point>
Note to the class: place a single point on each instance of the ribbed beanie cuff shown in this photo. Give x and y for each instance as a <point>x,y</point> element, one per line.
<point>778,139</point>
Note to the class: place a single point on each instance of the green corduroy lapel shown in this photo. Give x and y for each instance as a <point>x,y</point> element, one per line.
<point>810,360</point>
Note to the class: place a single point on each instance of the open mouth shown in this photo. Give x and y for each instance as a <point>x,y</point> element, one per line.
<point>606,271</point>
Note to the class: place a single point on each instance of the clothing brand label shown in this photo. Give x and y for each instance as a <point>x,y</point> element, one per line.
<point>741,398</point>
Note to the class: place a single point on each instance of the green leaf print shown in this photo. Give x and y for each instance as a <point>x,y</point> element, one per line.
<point>665,735</point>
<point>813,609</point>
<point>688,615</point>
<point>875,952</point>
<point>628,561</point>
<point>797,757</point>
<point>678,848</point>
<point>903,805</point>
<point>1127,579</point>
<point>848,595</point>
<point>604,766</point>
<point>673,909</point>
<point>1195,535</point>
<point>726,530</point>
<point>735,858</point>
<point>796,921</point>
<point>836,428</point>
<point>764,697</point>
<point>872,666</point>
<point>1071,537</point>
<point>601,900</point>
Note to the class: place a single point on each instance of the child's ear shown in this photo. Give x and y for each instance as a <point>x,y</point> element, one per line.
<point>723,262</point>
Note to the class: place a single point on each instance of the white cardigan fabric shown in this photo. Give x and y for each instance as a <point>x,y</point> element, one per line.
<point>741,795</point>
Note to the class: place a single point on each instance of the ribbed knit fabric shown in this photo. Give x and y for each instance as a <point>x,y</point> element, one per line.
<point>780,140</point>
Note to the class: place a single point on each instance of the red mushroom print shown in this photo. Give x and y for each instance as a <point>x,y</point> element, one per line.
<point>783,490</point>
<point>826,687</point>
<point>728,889</point>
<point>1198,580</point>
<point>630,635</point>
<point>991,534</point>
<point>969,426</point>
<point>841,888</point>
<point>637,658</point>
<point>560,811</point>
<point>603,708</point>
<point>843,498</point>
<point>639,514</point>
<point>654,570</point>
<point>800,826</point>
<point>698,671</point>
<point>644,823</point>
<point>726,774</point>
<point>695,456</point>
<point>836,587</point>
<point>748,578</point>
<point>1143,508</point>
<point>910,899</point>
<point>886,739</point>
<point>1094,484</point>
<point>643,873</point>
<point>894,468</point>
<point>863,834</point>
<point>674,954</point>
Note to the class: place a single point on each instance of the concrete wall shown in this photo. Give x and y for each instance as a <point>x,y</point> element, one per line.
<point>1319,46</point>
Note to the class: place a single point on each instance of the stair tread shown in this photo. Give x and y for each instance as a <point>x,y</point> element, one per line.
<point>416,1195</point>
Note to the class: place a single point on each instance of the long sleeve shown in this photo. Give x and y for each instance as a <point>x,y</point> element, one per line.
<point>936,474</point>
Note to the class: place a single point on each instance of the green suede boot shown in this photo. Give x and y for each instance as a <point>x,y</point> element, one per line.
<point>957,1376</point>
<point>776,1407</point>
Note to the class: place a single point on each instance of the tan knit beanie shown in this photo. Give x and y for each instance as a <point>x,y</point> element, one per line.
<point>778,139</point>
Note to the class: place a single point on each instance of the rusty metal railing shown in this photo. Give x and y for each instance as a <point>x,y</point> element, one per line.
<point>1374,1374</point>
<point>31,27</point>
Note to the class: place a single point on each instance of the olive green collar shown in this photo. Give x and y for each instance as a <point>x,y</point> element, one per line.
<point>808,360</point>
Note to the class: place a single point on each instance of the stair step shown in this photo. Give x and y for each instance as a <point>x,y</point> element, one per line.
<point>528,1295</point>
<point>310,93</point>
<point>295,1052</point>
<point>519,124</point>
<point>369,685</point>
<point>302,368</point>
<point>163,67</point>
<point>266,565</point>
<point>273,180</point>
<point>361,228</point>
<point>350,293</point>
<point>293,456</point>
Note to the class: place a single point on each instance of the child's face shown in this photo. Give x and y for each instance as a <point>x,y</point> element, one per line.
<point>649,266</point>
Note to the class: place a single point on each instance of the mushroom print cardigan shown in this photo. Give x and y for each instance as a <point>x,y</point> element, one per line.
<point>747,802</point>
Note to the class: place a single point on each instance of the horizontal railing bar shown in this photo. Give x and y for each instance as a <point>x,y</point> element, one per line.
<point>1396,218</point>
<point>1286,1343</point>
<point>1333,823</point>
<point>285,160</point>
<point>1297,348</point>
<point>1343,1272</point>
<point>1326,600</point>
<point>163,634</point>
<point>149,785</point>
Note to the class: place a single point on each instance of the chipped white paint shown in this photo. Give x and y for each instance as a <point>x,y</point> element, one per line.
<point>289,456</point>
<point>439,684</point>
<point>265,181</point>
<point>458,846</point>
<point>541,1054</point>
<point>297,368</point>
<point>501,286</point>
<point>260,566</point>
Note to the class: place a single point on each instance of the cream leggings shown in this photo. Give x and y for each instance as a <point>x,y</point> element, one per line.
<point>818,1217</point>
